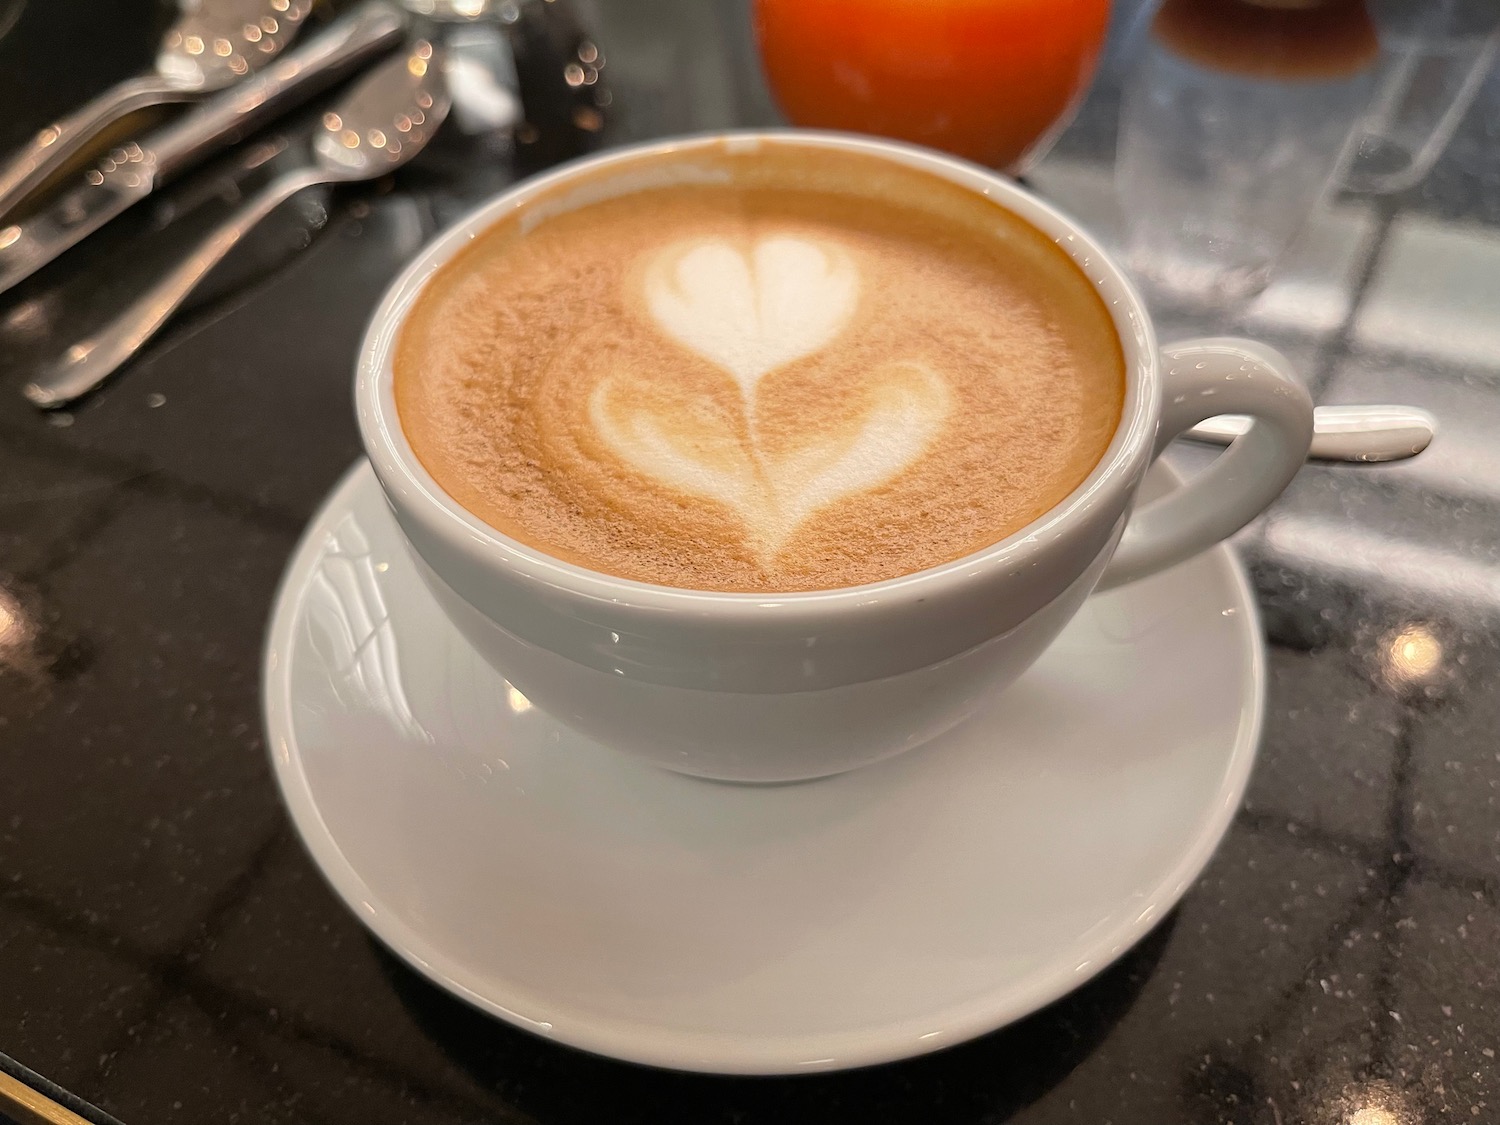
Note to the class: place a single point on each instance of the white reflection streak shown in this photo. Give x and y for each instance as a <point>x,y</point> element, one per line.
<point>1336,548</point>
<point>350,626</point>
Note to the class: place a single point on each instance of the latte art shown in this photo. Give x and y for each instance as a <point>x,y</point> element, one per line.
<point>773,495</point>
<point>751,311</point>
<point>810,375</point>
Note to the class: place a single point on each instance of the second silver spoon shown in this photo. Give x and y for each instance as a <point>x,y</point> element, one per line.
<point>213,45</point>
<point>385,120</point>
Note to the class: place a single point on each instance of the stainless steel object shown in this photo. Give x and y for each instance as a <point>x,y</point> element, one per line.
<point>214,44</point>
<point>1343,433</point>
<point>552,64</point>
<point>106,272</point>
<point>381,123</point>
<point>133,170</point>
<point>458,11</point>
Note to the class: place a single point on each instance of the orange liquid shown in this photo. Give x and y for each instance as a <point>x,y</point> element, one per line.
<point>984,79</point>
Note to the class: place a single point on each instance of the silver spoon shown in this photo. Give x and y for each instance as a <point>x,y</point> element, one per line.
<point>1343,433</point>
<point>212,45</point>
<point>380,124</point>
<point>458,11</point>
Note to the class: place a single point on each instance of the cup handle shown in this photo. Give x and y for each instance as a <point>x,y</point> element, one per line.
<point>1205,378</point>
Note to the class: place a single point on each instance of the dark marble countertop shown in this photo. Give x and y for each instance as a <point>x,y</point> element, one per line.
<point>168,952</point>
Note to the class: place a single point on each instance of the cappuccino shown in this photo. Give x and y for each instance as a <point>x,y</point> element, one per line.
<point>783,371</point>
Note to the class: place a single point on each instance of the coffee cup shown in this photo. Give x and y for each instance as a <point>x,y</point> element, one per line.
<point>784,686</point>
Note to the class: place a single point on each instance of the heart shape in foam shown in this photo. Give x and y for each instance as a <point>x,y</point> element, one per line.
<point>774,496</point>
<point>752,311</point>
<point>749,312</point>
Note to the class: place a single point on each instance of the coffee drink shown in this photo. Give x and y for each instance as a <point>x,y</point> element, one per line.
<point>779,371</point>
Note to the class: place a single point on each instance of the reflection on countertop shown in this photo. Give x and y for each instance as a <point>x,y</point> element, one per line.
<point>349,625</point>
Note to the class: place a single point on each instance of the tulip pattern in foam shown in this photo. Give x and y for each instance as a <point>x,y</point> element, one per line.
<point>750,310</point>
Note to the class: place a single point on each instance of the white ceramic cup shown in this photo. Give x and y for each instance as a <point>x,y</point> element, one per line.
<point>780,687</point>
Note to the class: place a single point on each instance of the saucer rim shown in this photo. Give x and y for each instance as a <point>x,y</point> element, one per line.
<point>653,1044</point>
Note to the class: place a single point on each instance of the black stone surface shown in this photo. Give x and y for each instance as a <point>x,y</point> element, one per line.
<point>168,952</point>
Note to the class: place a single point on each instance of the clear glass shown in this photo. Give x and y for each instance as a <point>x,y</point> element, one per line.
<point>1436,56</point>
<point>1217,171</point>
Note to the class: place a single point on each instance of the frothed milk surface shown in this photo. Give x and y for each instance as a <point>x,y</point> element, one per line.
<point>800,371</point>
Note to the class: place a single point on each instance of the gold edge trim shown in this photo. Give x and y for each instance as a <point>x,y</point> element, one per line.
<point>32,1108</point>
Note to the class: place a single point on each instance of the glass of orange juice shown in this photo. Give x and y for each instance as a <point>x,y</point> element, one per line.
<point>991,80</point>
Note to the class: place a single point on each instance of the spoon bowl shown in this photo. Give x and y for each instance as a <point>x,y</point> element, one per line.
<point>219,42</point>
<point>387,119</point>
<point>213,45</point>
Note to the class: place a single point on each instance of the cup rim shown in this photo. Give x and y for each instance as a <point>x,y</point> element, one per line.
<point>403,476</point>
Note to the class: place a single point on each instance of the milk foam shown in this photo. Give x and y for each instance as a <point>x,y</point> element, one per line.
<point>773,495</point>
<point>751,311</point>
<point>813,375</point>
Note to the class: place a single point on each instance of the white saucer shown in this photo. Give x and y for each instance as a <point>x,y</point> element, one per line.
<point>661,919</point>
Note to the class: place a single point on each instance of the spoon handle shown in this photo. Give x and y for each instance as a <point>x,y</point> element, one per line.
<point>1343,433</point>
<point>51,148</point>
<point>93,359</point>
